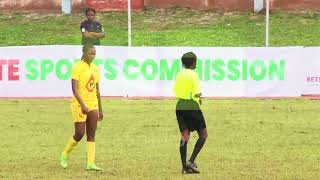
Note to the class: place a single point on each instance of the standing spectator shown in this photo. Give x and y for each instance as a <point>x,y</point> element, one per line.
<point>91,30</point>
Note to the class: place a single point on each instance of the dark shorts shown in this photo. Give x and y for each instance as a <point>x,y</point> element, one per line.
<point>189,116</point>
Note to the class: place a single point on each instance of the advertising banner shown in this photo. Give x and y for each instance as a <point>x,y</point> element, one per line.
<point>44,71</point>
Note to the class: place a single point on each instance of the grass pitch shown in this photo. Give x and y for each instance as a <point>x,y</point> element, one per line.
<point>139,139</point>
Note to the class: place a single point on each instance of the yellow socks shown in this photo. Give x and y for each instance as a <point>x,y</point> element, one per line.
<point>91,151</point>
<point>70,145</point>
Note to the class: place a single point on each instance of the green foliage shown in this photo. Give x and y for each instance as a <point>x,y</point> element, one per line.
<point>172,27</point>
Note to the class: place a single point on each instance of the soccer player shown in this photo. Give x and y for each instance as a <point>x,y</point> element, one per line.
<point>91,30</point>
<point>188,112</point>
<point>85,106</point>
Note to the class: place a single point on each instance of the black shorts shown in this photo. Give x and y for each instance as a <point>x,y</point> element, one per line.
<point>189,116</point>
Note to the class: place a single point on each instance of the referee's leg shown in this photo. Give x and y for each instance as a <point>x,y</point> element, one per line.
<point>185,134</point>
<point>203,135</point>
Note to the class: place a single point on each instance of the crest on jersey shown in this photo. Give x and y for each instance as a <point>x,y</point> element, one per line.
<point>90,84</point>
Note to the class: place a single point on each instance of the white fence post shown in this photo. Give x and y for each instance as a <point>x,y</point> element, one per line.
<point>129,23</point>
<point>267,21</point>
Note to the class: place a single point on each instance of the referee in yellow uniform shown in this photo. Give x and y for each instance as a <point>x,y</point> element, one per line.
<point>85,106</point>
<point>188,112</point>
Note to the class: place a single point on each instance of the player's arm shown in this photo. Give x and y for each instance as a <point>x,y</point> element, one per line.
<point>99,102</point>
<point>74,83</point>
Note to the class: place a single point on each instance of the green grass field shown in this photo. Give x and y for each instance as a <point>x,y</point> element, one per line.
<point>172,27</point>
<point>138,139</point>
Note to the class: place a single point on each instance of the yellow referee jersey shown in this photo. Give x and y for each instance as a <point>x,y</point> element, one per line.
<point>87,77</point>
<point>187,85</point>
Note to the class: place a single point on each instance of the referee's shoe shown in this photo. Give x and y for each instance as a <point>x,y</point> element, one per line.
<point>193,166</point>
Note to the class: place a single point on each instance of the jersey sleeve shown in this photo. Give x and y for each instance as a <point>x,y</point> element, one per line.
<point>83,27</point>
<point>100,27</point>
<point>75,74</point>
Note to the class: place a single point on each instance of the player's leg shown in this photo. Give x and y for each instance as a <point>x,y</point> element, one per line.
<point>91,129</point>
<point>79,130</point>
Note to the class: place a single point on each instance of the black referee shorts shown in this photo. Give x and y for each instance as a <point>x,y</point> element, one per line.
<point>189,115</point>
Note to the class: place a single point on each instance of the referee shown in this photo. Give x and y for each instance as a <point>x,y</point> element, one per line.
<point>188,112</point>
